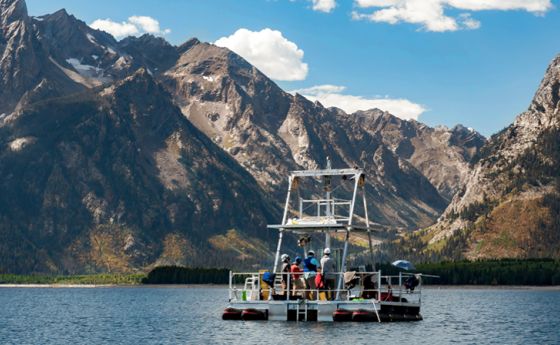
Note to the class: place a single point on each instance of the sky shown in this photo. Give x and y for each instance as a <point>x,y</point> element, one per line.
<point>441,62</point>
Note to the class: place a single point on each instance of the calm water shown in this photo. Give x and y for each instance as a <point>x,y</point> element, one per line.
<point>193,316</point>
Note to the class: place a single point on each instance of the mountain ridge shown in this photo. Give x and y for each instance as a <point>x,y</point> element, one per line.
<point>509,204</point>
<point>120,155</point>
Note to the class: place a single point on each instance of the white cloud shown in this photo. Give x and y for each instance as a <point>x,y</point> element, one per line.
<point>320,89</point>
<point>332,96</point>
<point>534,6</point>
<point>468,22</point>
<point>148,24</point>
<point>134,26</point>
<point>430,14</point>
<point>324,5</point>
<point>269,51</point>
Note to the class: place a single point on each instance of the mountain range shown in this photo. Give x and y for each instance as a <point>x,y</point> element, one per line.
<point>121,155</point>
<point>509,205</point>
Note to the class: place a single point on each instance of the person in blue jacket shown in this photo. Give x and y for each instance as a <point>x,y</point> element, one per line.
<point>310,267</point>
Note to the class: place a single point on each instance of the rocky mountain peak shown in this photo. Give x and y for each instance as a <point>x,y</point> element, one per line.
<point>11,11</point>
<point>421,146</point>
<point>140,100</point>
<point>301,100</point>
<point>146,39</point>
<point>187,45</point>
<point>542,115</point>
<point>150,51</point>
<point>372,113</point>
<point>204,58</point>
<point>140,82</point>
<point>19,68</point>
<point>467,138</point>
<point>60,15</point>
<point>547,97</point>
<point>140,78</point>
<point>73,36</point>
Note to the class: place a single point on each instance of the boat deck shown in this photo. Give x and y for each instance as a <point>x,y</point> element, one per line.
<point>255,300</point>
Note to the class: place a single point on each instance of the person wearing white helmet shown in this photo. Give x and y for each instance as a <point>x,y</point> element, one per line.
<point>329,273</point>
<point>310,266</point>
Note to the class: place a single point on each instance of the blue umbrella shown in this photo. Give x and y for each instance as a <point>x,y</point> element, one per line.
<point>405,265</point>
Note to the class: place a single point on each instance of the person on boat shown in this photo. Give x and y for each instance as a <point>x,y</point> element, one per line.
<point>285,272</point>
<point>411,283</point>
<point>310,266</point>
<point>296,271</point>
<point>329,273</point>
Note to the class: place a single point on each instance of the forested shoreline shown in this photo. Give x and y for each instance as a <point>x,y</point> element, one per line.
<point>540,272</point>
<point>537,272</point>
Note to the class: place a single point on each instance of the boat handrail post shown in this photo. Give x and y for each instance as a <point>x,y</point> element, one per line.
<point>400,285</point>
<point>343,268</point>
<point>287,292</point>
<point>230,284</point>
<point>420,289</point>
<point>284,221</point>
<point>379,286</point>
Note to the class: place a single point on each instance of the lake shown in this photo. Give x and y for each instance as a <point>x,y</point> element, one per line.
<point>181,315</point>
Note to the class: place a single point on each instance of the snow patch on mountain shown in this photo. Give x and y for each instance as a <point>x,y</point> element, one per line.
<point>20,143</point>
<point>210,78</point>
<point>88,71</point>
<point>91,39</point>
<point>80,75</point>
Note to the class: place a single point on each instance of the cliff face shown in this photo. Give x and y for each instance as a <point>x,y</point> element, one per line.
<point>107,181</point>
<point>440,154</point>
<point>271,132</point>
<point>509,205</point>
<point>118,155</point>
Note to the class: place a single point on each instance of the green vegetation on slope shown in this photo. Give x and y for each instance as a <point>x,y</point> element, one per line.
<point>95,279</point>
<point>184,275</point>
<point>494,272</point>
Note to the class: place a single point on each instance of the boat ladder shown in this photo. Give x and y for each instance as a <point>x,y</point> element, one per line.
<point>301,312</point>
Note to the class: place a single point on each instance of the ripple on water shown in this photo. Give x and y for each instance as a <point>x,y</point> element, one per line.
<point>193,316</point>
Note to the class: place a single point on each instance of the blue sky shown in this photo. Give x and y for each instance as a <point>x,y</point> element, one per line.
<point>470,65</point>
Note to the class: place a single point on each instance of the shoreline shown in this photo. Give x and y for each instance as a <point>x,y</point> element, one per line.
<point>93,286</point>
<point>494,287</point>
<point>217,286</point>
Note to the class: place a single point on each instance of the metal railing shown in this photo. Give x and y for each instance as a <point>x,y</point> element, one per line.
<point>249,286</point>
<point>325,209</point>
<point>395,290</point>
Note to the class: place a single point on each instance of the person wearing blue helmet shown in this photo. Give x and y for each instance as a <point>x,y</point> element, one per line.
<point>296,272</point>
